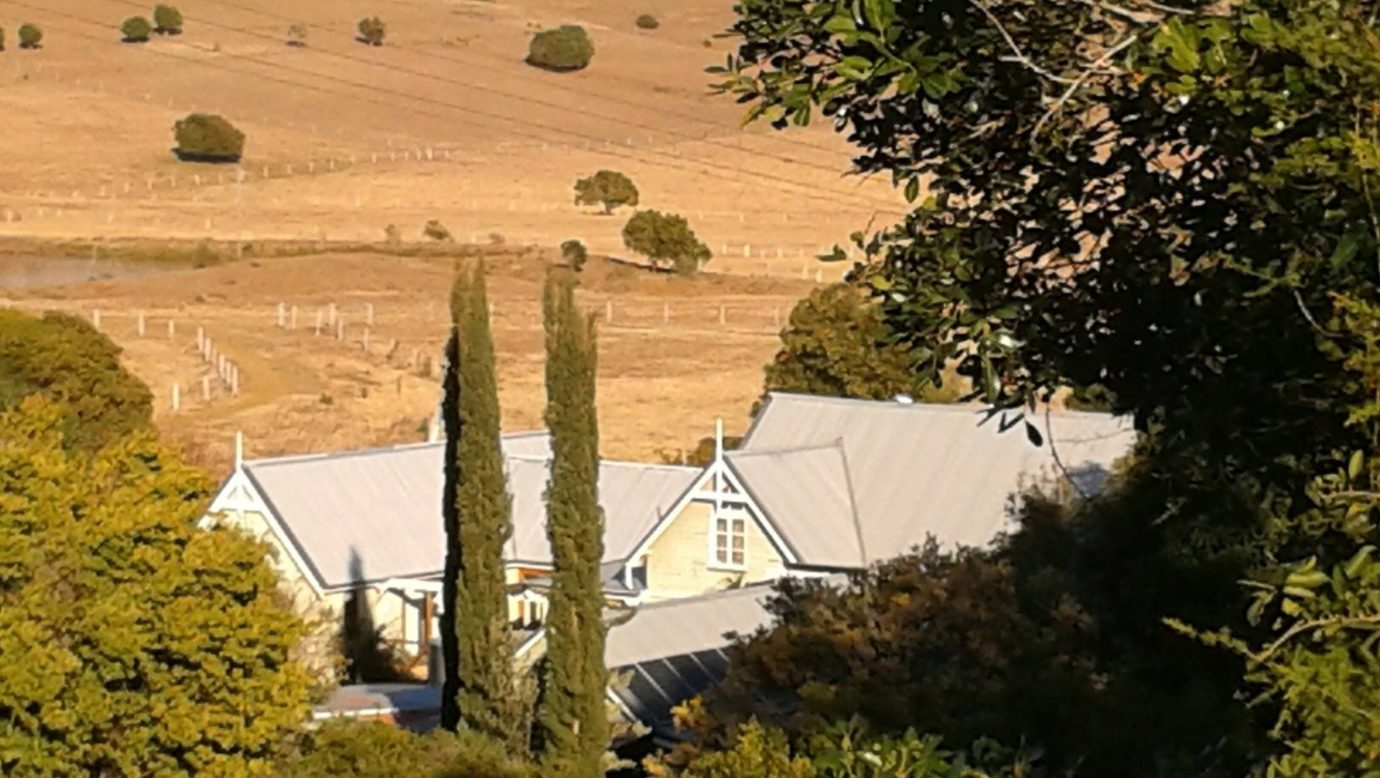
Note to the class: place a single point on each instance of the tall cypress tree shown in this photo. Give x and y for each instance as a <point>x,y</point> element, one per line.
<point>450,514</point>
<point>483,696</point>
<point>573,718</point>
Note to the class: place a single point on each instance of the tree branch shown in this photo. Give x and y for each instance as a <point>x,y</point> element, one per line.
<point>1078,82</point>
<point>1015,48</point>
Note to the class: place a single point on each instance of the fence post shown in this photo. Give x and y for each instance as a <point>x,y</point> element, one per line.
<point>665,313</point>
<point>776,318</point>
<point>608,311</point>
<point>318,322</point>
<point>176,397</point>
<point>364,343</point>
<point>172,329</point>
<point>340,328</point>
<point>369,314</point>
<point>292,320</point>
<point>206,350</point>
<point>206,388</point>
<point>282,316</point>
<point>96,318</point>
<point>723,319</point>
<point>330,314</point>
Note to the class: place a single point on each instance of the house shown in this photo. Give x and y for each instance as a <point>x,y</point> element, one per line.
<point>368,524</point>
<point>824,485</point>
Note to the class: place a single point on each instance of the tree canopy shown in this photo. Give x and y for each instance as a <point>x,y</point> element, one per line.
<point>134,642</point>
<point>66,360</point>
<point>608,188</point>
<point>667,240</point>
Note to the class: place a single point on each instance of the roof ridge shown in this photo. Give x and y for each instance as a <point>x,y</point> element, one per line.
<point>836,443</point>
<point>285,459</point>
<point>976,408</point>
<point>615,463</point>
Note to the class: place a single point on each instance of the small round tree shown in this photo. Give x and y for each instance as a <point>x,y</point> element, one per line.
<point>30,36</point>
<point>567,47</point>
<point>297,35</point>
<point>647,22</point>
<point>207,138</point>
<point>667,240</point>
<point>371,31</point>
<point>136,29</point>
<point>167,20</point>
<point>575,254</point>
<point>435,230</point>
<point>608,188</point>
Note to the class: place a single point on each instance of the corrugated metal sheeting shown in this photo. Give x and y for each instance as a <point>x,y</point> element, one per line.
<point>373,515</point>
<point>914,470</point>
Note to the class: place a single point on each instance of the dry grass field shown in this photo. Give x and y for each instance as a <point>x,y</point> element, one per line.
<point>444,121</point>
<point>662,378</point>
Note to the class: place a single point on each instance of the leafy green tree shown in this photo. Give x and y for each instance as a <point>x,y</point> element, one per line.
<point>136,29</point>
<point>66,360</point>
<point>575,254</point>
<point>437,231</point>
<point>208,138</point>
<point>573,716</point>
<point>488,698</point>
<point>667,240</point>
<point>30,36</point>
<point>371,31</point>
<point>647,22</point>
<point>565,48</point>
<point>135,643</point>
<point>297,35</point>
<point>608,188</point>
<point>836,344</point>
<point>167,20</point>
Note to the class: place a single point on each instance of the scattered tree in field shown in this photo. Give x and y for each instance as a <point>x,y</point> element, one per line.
<point>136,29</point>
<point>2,38</point>
<point>207,138</point>
<point>343,748</point>
<point>836,344</point>
<point>480,693</point>
<point>66,360</point>
<point>667,240</point>
<point>608,188</point>
<point>567,47</point>
<point>572,716</point>
<point>136,643</point>
<point>167,20</point>
<point>297,35</point>
<point>30,36</point>
<point>371,31</point>
<point>575,254</point>
<point>647,22</point>
<point>437,231</point>
<point>392,235</point>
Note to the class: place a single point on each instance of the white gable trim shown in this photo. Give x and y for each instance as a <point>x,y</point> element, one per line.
<point>239,494</point>
<point>716,472</point>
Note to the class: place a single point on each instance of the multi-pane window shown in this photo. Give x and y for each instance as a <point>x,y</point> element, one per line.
<point>730,537</point>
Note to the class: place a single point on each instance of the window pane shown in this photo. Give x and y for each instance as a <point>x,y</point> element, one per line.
<point>723,525</point>
<point>738,543</point>
<point>737,556</point>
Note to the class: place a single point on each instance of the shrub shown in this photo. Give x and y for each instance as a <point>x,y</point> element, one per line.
<point>608,188</point>
<point>435,230</point>
<point>392,234</point>
<point>208,138</point>
<point>647,22</point>
<point>167,20</point>
<point>136,29</point>
<point>371,31</point>
<point>2,38</point>
<point>667,240</point>
<point>567,47</point>
<point>297,35</point>
<point>30,36</point>
<point>574,253</point>
<point>372,749</point>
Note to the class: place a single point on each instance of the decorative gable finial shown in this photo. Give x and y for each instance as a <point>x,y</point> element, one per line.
<point>718,439</point>
<point>239,449</point>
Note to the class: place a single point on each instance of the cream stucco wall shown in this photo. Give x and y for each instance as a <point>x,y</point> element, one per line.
<point>678,563</point>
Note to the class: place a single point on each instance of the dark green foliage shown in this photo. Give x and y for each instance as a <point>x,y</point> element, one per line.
<point>435,230</point>
<point>370,749</point>
<point>488,696</point>
<point>65,359</point>
<point>371,31</point>
<point>667,240</point>
<point>575,254</point>
<point>608,188</point>
<point>208,138</point>
<point>167,20</point>
<point>573,718</point>
<point>567,47</point>
<point>136,29</point>
<point>837,345</point>
<point>647,22</point>
<point>134,643</point>
<point>30,36</point>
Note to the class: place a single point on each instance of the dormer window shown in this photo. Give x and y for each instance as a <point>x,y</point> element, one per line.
<point>729,538</point>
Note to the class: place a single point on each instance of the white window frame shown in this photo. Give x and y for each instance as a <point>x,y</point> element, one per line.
<point>737,518</point>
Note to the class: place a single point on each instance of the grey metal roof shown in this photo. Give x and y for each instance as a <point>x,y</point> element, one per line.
<point>914,469</point>
<point>375,514</point>
<point>670,651</point>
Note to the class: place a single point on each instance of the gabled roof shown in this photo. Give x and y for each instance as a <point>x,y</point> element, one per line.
<point>905,471</point>
<point>367,516</point>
